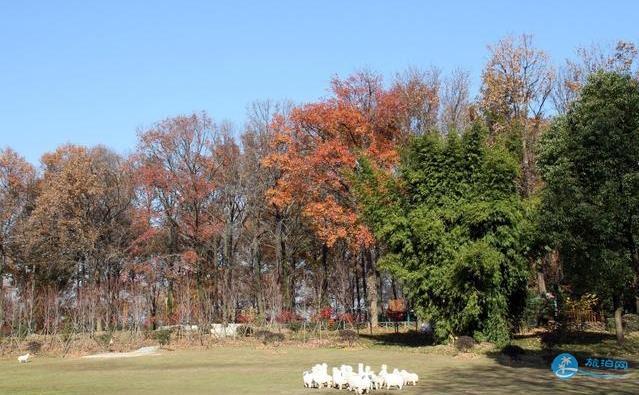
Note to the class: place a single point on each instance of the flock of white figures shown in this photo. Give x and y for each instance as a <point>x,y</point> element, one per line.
<point>361,382</point>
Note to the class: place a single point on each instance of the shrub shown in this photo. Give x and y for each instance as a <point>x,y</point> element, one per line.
<point>273,338</point>
<point>349,336</point>
<point>261,334</point>
<point>245,330</point>
<point>631,322</point>
<point>104,340</point>
<point>294,326</point>
<point>34,347</point>
<point>326,313</point>
<point>539,309</point>
<point>163,336</point>
<point>68,332</point>
<point>464,343</point>
<point>286,316</point>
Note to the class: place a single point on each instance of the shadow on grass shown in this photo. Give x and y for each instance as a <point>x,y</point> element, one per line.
<point>526,380</point>
<point>405,339</point>
<point>582,345</point>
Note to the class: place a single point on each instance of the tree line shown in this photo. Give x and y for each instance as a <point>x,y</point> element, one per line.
<point>411,189</point>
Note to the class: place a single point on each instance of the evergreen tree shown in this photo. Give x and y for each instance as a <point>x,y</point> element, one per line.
<point>454,226</point>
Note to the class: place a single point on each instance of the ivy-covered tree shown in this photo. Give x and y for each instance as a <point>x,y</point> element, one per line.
<point>589,161</point>
<point>453,224</point>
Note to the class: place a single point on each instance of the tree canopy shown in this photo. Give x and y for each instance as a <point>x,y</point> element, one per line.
<point>589,160</point>
<point>454,225</point>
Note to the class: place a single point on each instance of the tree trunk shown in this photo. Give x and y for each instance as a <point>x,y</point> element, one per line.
<point>324,297</point>
<point>541,282</point>
<point>358,296</point>
<point>619,325</point>
<point>2,265</point>
<point>371,285</point>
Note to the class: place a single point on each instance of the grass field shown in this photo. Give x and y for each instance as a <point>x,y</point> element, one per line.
<point>239,369</point>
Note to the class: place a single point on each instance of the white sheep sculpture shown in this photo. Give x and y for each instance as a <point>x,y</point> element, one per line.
<point>24,358</point>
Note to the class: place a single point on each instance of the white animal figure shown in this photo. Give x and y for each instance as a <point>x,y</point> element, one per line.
<point>409,378</point>
<point>394,379</point>
<point>321,376</point>
<point>376,381</point>
<point>308,379</point>
<point>339,380</point>
<point>361,384</point>
<point>24,358</point>
<point>347,372</point>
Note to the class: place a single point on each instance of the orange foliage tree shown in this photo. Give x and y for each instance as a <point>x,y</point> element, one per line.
<point>317,147</point>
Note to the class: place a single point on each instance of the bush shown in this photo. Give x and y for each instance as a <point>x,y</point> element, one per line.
<point>68,332</point>
<point>245,330</point>
<point>539,309</point>
<point>464,343</point>
<point>261,334</point>
<point>163,336</point>
<point>273,338</point>
<point>34,347</point>
<point>630,322</point>
<point>294,326</point>
<point>286,316</point>
<point>348,336</point>
<point>104,340</point>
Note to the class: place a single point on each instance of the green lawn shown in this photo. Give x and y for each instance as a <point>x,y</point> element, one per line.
<point>245,370</point>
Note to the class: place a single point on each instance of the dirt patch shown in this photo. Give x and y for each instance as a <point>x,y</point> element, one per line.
<point>140,352</point>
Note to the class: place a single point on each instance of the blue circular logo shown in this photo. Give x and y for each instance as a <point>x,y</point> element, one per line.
<point>565,366</point>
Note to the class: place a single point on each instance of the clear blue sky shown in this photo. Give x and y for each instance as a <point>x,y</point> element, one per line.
<point>92,72</point>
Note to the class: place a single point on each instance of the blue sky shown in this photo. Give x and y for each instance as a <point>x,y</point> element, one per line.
<point>94,72</point>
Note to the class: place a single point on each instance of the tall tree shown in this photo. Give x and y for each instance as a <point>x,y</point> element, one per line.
<point>590,164</point>
<point>454,224</point>
<point>317,147</point>
<point>516,84</point>
<point>17,180</point>
<point>179,168</point>
<point>418,94</point>
<point>455,102</point>
<point>79,228</point>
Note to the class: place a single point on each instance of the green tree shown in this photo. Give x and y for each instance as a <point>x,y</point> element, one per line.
<point>453,224</point>
<point>589,161</point>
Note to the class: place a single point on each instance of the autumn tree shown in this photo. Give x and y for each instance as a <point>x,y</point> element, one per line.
<point>418,93</point>
<point>516,84</point>
<point>318,146</point>
<point>79,229</point>
<point>179,180</point>
<point>17,178</point>
<point>275,233</point>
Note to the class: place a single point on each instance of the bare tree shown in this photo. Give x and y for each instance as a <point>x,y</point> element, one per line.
<point>622,58</point>
<point>516,84</point>
<point>455,101</point>
<point>418,91</point>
